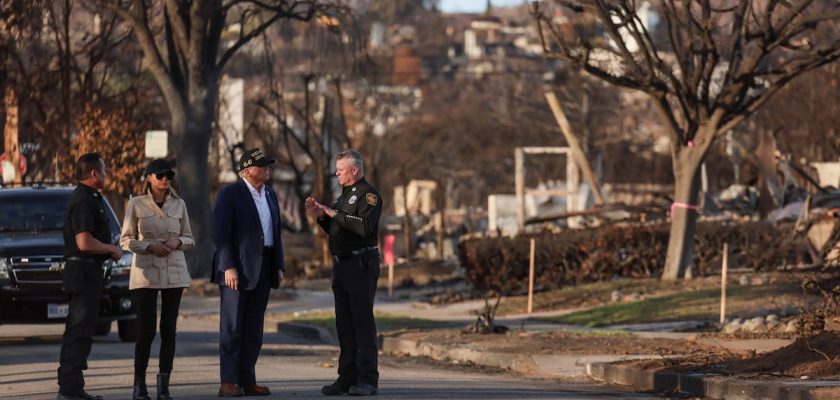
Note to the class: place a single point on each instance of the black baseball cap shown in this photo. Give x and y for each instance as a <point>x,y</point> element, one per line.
<point>254,157</point>
<point>158,166</point>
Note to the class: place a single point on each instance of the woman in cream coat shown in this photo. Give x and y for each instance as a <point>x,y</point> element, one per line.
<point>157,230</point>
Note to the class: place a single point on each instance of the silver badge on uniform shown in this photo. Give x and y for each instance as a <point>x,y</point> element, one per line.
<point>352,199</point>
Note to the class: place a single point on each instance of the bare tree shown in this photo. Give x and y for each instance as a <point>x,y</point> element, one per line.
<point>808,111</point>
<point>718,61</point>
<point>63,60</point>
<point>186,45</point>
<point>302,147</point>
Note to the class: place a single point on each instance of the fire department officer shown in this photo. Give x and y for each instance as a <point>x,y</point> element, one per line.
<point>87,244</point>
<point>352,224</point>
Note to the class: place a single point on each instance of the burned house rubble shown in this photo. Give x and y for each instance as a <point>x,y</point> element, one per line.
<point>798,203</point>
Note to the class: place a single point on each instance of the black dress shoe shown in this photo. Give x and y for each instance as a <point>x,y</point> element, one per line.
<point>337,388</point>
<point>78,396</point>
<point>363,389</point>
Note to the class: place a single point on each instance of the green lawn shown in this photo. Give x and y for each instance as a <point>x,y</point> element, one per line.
<point>384,322</point>
<point>687,305</point>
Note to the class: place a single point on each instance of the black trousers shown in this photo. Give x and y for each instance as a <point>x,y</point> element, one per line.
<point>146,301</point>
<point>241,326</point>
<point>354,288</point>
<point>83,281</point>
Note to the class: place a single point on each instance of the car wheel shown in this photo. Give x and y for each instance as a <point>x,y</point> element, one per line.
<point>128,330</point>
<point>103,328</point>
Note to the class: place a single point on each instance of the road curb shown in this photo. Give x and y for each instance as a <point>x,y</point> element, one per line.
<point>305,331</point>
<point>515,362</point>
<point>711,386</point>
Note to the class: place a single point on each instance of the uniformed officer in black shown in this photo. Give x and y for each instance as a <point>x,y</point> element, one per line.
<point>352,224</point>
<point>87,244</point>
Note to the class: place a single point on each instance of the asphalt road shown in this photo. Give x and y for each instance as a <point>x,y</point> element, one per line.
<point>291,367</point>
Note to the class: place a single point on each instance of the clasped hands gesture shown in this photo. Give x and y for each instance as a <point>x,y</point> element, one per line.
<point>162,249</point>
<point>317,209</point>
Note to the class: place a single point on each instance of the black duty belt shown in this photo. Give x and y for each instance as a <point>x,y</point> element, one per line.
<point>354,253</point>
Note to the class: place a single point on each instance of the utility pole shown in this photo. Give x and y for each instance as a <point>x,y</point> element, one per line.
<point>406,218</point>
<point>574,144</point>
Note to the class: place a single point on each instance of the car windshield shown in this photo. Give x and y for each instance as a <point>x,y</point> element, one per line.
<point>30,214</point>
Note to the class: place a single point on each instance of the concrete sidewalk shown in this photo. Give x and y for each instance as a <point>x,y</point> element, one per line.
<point>712,386</point>
<point>549,365</point>
<point>602,367</point>
<point>465,312</point>
<point>536,365</point>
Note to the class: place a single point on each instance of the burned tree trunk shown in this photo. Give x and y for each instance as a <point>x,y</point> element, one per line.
<point>486,321</point>
<point>683,214</point>
<point>192,122</point>
<point>687,159</point>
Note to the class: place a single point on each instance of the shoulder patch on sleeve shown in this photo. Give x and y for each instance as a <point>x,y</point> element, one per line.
<point>371,199</point>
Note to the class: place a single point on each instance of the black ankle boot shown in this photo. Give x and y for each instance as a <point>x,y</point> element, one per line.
<point>140,391</point>
<point>163,386</point>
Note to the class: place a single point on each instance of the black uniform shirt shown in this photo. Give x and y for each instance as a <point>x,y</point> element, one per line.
<point>85,213</point>
<point>356,222</point>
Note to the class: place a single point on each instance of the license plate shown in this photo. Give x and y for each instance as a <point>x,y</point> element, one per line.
<point>57,310</point>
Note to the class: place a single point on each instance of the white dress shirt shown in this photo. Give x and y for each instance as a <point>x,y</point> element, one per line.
<point>265,213</point>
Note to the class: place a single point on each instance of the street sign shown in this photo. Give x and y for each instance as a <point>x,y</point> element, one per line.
<point>156,144</point>
<point>7,169</point>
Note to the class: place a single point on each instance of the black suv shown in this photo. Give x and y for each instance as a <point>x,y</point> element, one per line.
<point>32,263</point>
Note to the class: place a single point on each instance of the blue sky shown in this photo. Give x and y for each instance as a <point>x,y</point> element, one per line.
<point>473,5</point>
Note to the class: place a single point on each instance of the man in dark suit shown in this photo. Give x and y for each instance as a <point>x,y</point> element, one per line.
<point>247,264</point>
